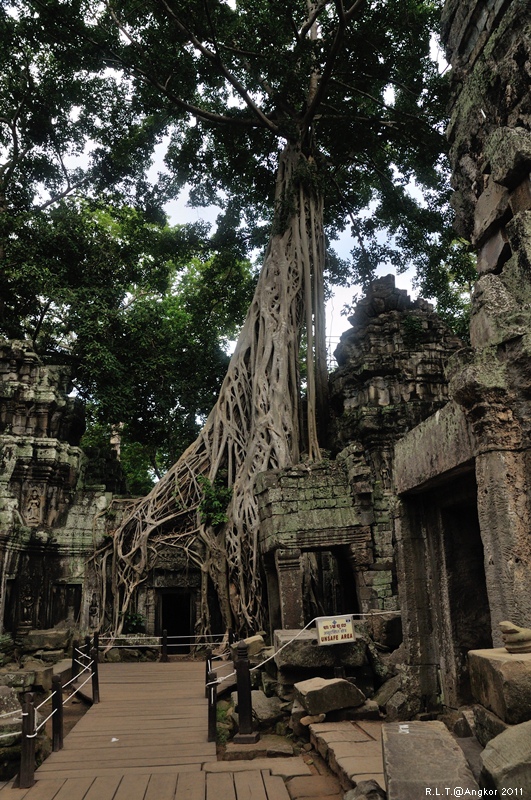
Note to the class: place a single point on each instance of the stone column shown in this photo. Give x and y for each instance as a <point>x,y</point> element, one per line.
<point>289,572</point>
<point>503,510</point>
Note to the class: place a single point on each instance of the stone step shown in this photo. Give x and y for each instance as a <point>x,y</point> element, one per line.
<point>423,759</point>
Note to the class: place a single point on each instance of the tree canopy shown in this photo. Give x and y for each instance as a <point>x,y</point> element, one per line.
<point>298,119</point>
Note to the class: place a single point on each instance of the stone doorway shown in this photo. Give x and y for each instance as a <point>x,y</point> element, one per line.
<point>176,614</point>
<point>328,584</point>
<point>466,587</point>
<point>444,587</point>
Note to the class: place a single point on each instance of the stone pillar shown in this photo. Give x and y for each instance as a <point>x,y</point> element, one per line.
<point>289,572</point>
<point>503,510</point>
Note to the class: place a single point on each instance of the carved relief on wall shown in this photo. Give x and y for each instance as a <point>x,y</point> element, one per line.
<point>34,505</point>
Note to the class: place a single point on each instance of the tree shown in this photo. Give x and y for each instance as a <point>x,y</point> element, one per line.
<point>341,112</point>
<point>90,272</point>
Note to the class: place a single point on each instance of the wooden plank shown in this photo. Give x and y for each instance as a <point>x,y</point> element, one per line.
<point>120,763</point>
<point>8,793</point>
<point>81,772</point>
<point>249,786</point>
<point>117,751</point>
<point>47,792</point>
<point>73,789</point>
<point>275,787</point>
<point>161,787</point>
<point>191,786</point>
<point>132,787</point>
<point>102,788</point>
<point>220,785</point>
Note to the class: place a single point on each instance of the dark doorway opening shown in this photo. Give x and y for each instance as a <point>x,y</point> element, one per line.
<point>467,588</point>
<point>176,608</point>
<point>328,584</point>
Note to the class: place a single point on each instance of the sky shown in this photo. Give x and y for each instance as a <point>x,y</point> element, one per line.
<point>179,213</point>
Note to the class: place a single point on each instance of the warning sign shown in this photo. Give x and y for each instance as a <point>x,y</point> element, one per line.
<point>335,630</point>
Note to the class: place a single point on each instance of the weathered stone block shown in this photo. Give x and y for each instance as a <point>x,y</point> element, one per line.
<point>319,695</point>
<point>509,152</point>
<point>506,761</point>
<point>520,198</point>
<point>422,757</point>
<point>52,639</point>
<point>42,674</point>
<point>494,253</point>
<point>492,208</point>
<point>485,725</point>
<point>501,682</point>
<point>305,653</point>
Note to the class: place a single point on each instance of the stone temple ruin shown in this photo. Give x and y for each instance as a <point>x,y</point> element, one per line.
<point>422,512</point>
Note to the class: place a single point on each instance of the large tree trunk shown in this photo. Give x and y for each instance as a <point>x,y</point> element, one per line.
<point>255,424</point>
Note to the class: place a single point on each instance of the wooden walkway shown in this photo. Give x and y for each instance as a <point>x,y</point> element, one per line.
<point>146,740</point>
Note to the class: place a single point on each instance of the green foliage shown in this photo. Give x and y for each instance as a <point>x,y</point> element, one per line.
<point>372,124</point>
<point>133,622</point>
<point>91,272</point>
<point>412,331</point>
<point>216,498</point>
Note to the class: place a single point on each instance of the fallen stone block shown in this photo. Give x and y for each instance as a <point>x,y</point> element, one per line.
<point>312,720</point>
<point>422,756</point>
<point>305,653</point>
<point>486,725</point>
<point>366,790</point>
<point>319,695</point>
<point>506,761</point>
<point>51,639</point>
<point>501,682</point>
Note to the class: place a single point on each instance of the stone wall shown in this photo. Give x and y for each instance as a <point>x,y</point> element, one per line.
<point>463,475</point>
<point>390,378</point>
<point>49,518</point>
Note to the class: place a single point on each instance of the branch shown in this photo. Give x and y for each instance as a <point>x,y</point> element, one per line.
<point>312,18</point>
<point>215,58</point>
<point>196,111</point>
<point>70,188</point>
<point>344,18</point>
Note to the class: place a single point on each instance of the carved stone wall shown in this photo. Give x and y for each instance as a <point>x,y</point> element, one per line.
<point>463,476</point>
<point>390,377</point>
<point>49,519</point>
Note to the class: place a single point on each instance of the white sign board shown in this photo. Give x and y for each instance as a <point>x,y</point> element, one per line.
<point>335,630</point>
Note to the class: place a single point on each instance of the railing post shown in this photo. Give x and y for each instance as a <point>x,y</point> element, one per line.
<point>75,658</point>
<point>208,668</point>
<point>27,750</point>
<point>164,654</point>
<point>88,646</point>
<point>212,695</point>
<point>245,733</point>
<point>57,719</point>
<point>231,636</point>
<point>95,676</point>
<point>97,640</point>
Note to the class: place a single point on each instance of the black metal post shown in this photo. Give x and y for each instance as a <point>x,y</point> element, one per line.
<point>231,636</point>
<point>57,719</point>
<point>97,640</point>
<point>87,649</point>
<point>164,654</point>
<point>95,676</point>
<point>245,733</point>
<point>212,695</point>
<point>26,777</point>
<point>208,667</point>
<point>75,658</point>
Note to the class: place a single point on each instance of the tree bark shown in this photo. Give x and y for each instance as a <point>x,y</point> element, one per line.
<point>255,424</point>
